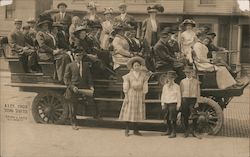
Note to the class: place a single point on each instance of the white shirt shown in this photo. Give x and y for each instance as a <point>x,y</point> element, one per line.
<point>154,25</point>
<point>80,67</point>
<point>123,16</point>
<point>62,15</point>
<point>171,94</point>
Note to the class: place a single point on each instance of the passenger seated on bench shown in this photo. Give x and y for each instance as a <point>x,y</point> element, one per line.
<point>121,53</point>
<point>98,67</point>
<point>31,44</point>
<point>223,77</point>
<point>48,50</point>
<point>166,60</point>
<point>17,45</point>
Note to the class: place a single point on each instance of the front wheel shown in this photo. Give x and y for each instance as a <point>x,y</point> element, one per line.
<point>49,107</point>
<point>209,116</point>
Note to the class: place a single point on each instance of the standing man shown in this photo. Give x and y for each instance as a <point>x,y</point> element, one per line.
<point>63,16</point>
<point>124,16</point>
<point>77,76</point>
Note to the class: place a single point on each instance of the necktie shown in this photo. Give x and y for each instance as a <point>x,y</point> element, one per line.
<point>80,68</point>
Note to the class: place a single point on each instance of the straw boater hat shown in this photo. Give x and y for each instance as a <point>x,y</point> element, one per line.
<point>57,24</point>
<point>18,21</point>
<point>79,29</point>
<point>26,27</point>
<point>108,11</point>
<point>91,5</point>
<point>188,21</point>
<point>122,5</point>
<point>188,69</point>
<point>211,33</point>
<point>63,4</point>
<point>31,20</point>
<point>155,8</point>
<point>171,74</point>
<point>166,31</point>
<point>122,26</point>
<point>135,59</point>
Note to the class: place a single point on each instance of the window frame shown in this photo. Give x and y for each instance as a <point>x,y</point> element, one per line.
<point>10,9</point>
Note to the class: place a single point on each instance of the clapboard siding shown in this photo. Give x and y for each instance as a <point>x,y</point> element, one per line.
<point>134,6</point>
<point>220,6</point>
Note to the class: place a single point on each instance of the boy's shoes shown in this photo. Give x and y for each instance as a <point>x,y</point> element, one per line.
<point>137,133</point>
<point>173,135</point>
<point>74,127</point>
<point>186,134</point>
<point>196,135</point>
<point>126,133</point>
<point>168,132</point>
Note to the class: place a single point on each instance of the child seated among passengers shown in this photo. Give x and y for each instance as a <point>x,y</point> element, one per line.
<point>190,92</point>
<point>171,102</point>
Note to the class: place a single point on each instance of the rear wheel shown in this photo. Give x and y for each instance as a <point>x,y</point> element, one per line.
<point>49,107</point>
<point>209,116</point>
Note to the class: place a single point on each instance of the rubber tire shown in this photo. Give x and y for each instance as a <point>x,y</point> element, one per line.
<point>218,111</point>
<point>39,96</point>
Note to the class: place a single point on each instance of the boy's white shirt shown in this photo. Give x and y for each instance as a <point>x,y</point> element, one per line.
<point>171,95</point>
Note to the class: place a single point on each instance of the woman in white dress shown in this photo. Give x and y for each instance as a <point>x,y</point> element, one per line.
<point>223,77</point>
<point>188,39</point>
<point>107,27</point>
<point>72,28</point>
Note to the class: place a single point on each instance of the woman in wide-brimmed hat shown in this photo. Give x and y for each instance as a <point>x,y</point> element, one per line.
<point>121,53</point>
<point>188,39</point>
<point>135,87</point>
<point>150,26</point>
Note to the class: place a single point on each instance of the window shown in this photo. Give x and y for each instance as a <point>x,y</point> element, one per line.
<point>10,11</point>
<point>207,1</point>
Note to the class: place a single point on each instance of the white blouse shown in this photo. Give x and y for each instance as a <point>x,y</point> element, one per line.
<point>171,94</point>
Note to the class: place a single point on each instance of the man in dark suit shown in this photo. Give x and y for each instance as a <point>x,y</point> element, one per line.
<point>77,76</point>
<point>63,17</point>
<point>164,59</point>
<point>124,16</point>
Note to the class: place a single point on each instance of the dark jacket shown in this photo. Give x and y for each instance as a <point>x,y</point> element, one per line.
<point>46,46</point>
<point>163,56</point>
<point>72,76</point>
<point>63,42</point>
<point>16,40</point>
<point>128,18</point>
<point>66,19</point>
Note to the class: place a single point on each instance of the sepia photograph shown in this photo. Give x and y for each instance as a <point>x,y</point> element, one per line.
<point>124,78</point>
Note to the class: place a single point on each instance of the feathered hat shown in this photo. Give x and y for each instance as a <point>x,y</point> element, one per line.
<point>155,8</point>
<point>108,11</point>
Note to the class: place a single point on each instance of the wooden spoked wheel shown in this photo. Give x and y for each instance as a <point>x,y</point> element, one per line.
<point>49,107</point>
<point>209,116</point>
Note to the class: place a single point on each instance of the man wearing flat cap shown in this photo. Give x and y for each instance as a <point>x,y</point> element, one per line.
<point>63,16</point>
<point>17,44</point>
<point>164,59</point>
<point>124,16</point>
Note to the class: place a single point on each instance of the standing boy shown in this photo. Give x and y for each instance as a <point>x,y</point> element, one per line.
<point>171,102</point>
<point>190,91</point>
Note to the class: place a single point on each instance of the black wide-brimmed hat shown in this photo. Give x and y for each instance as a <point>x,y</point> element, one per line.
<point>44,18</point>
<point>155,8</point>
<point>94,24</point>
<point>57,24</point>
<point>79,29</point>
<point>63,4</point>
<point>166,31</point>
<point>135,59</point>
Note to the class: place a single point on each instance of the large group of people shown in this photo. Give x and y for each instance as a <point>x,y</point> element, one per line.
<point>115,45</point>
